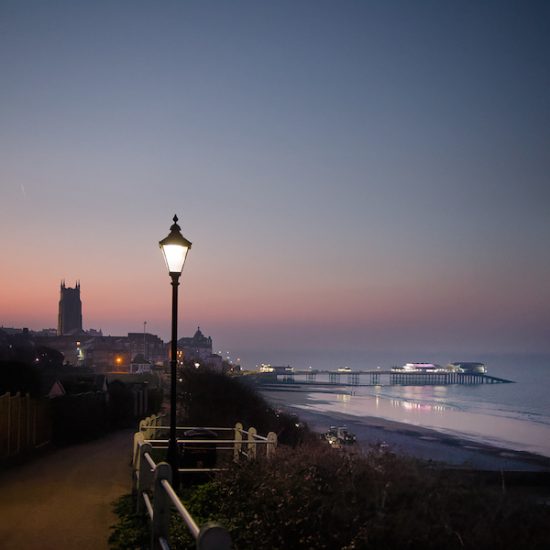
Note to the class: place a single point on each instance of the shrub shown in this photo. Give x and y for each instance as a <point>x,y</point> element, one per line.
<point>316,497</point>
<point>210,399</point>
<point>131,531</point>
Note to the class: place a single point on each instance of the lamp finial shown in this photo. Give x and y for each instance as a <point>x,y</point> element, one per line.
<point>175,224</point>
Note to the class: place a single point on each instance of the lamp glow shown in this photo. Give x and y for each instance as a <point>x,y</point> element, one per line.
<point>174,248</point>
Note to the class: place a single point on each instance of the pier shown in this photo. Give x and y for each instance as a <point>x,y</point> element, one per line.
<point>386,378</point>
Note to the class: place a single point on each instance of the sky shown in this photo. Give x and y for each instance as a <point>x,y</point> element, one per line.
<point>353,175</point>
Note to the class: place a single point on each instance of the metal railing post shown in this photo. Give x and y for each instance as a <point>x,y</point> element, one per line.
<point>251,443</point>
<point>158,422</point>
<point>213,537</point>
<point>143,425</point>
<point>238,446</point>
<point>161,506</point>
<point>152,431</point>
<point>144,475</point>
<point>271,444</point>
<point>138,439</point>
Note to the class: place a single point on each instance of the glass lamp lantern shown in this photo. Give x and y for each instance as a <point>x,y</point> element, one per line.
<point>174,248</point>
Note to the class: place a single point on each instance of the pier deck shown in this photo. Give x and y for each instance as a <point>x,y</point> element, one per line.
<point>388,378</point>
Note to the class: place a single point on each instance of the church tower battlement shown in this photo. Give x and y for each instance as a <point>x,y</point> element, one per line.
<point>69,320</point>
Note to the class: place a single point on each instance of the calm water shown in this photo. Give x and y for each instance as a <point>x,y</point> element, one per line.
<point>515,416</point>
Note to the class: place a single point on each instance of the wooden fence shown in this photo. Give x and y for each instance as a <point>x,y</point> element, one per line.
<point>25,424</point>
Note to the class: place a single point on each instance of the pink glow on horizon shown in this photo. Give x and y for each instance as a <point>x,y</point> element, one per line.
<point>337,192</point>
<point>400,319</point>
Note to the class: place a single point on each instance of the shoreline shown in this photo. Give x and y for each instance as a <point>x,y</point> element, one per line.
<point>406,439</point>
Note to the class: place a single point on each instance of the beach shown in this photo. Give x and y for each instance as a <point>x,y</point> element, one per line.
<point>408,440</point>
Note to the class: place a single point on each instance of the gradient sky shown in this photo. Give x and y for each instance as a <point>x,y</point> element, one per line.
<point>364,175</point>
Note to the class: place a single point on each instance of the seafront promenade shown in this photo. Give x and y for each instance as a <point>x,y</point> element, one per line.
<point>63,499</point>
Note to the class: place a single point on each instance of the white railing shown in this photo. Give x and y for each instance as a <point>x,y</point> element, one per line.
<point>244,443</point>
<point>153,482</point>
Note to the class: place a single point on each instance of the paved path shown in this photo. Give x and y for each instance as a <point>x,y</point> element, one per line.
<point>63,500</point>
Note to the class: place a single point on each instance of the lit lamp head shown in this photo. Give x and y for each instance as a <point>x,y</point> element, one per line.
<point>174,248</point>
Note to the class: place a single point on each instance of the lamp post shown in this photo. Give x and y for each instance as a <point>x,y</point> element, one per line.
<point>174,247</point>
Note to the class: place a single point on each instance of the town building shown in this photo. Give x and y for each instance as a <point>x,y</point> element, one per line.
<point>108,354</point>
<point>197,351</point>
<point>69,319</point>
<point>149,345</point>
<point>198,347</point>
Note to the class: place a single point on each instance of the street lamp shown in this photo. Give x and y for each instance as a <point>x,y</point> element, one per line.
<point>174,247</point>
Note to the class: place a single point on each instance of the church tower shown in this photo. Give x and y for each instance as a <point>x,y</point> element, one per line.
<point>69,320</point>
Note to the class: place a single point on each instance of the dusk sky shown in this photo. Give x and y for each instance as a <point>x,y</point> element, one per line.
<point>353,175</point>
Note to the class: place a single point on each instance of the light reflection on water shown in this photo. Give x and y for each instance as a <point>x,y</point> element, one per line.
<point>343,399</point>
<point>414,406</point>
<point>424,408</point>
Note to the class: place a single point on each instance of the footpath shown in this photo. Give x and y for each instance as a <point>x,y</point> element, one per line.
<point>63,500</point>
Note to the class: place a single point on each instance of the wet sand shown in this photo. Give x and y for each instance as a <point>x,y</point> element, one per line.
<point>409,440</point>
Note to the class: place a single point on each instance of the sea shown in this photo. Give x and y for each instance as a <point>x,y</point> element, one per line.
<point>513,416</point>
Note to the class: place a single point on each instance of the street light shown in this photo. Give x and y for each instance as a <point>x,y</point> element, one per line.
<point>174,247</point>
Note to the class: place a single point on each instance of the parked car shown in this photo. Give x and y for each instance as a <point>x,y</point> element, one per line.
<point>339,435</point>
